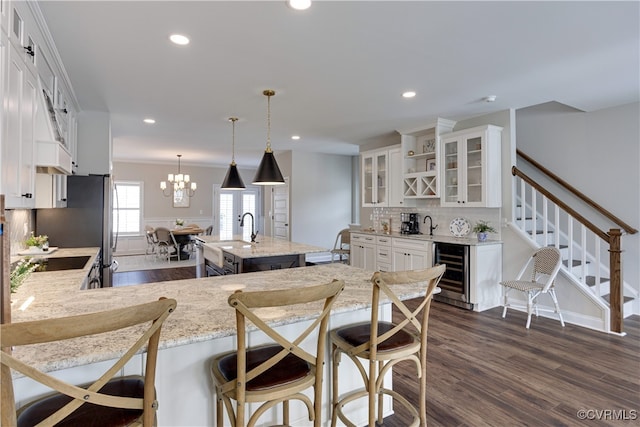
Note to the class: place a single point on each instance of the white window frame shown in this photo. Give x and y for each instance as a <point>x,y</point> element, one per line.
<point>115,208</point>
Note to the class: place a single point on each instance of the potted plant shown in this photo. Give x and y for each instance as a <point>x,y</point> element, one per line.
<point>482,228</point>
<point>36,241</point>
<point>179,222</point>
<point>22,270</point>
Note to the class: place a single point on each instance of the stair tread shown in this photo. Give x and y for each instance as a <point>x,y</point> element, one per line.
<point>574,263</point>
<point>591,280</point>
<point>559,246</point>
<point>625,299</point>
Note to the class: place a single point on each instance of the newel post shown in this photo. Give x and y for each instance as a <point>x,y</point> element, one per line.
<point>616,298</point>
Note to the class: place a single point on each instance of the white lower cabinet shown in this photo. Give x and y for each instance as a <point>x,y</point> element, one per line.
<point>363,251</point>
<point>384,259</point>
<point>385,253</point>
<point>409,254</point>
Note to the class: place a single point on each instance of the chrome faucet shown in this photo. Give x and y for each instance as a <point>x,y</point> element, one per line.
<point>253,223</point>
<point>431,227</point>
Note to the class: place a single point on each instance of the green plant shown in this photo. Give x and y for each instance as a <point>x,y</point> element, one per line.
<point>36,240</point>
<point>483,227</point>
<point>22,270</point>
<point>179,221</point>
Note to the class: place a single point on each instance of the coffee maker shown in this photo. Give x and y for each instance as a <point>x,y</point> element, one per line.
<point>409,223</point>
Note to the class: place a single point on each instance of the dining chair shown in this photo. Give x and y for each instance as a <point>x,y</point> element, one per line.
<point>281,370</point>
<point>383,344</point>
<point>110,400</point>
<point>152,240</point>
<point>341,247</point>
<point>544,265</point>
<point>167,246</point>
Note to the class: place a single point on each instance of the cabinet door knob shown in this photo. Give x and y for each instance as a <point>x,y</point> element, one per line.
<point>27,195</point>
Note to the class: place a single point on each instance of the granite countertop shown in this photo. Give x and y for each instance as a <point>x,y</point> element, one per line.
<point>471,241</point>
<point>202,313</point>
<point>264,247</point>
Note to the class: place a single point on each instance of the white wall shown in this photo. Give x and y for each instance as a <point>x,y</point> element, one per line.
<point>320,197</point>
<point>596,152</point>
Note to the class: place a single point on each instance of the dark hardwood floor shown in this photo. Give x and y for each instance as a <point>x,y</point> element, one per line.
<point>487,371</point>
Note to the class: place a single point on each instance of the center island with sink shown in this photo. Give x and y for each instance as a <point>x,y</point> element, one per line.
<point>215,257</point>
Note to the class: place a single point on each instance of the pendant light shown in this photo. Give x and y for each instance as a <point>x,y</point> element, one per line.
<point>233,181</point>
<point>268,172</point>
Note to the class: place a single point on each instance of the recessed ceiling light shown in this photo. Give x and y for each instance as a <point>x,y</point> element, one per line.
<point>409,94</point>
<point>179,39</point>
<point>295,137</point>
<point>490,98</point>
<point>149,121</point>
<point>299,4</point>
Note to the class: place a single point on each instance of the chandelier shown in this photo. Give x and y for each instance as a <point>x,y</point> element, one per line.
<point>180,182</point>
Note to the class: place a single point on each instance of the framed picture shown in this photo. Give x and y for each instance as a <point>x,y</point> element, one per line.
<point>180,199</point>
<point>431,165</point>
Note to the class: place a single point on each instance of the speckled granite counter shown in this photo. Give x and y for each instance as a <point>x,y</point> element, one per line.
<point>471,241</point>
<point>202,325</point>
<point>265,247</point>
<point>202,313</point>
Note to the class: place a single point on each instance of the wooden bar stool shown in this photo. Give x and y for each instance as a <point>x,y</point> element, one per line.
<point>384,344</point>
<point>279,371</point>
<point>110,400</point>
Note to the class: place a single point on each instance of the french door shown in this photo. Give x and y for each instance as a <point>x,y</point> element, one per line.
<point>231,205</point>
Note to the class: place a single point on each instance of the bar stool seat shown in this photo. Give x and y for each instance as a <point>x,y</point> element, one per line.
<point>382,344</point>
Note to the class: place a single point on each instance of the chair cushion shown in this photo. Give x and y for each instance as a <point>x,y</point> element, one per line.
<point>359,334</point>
<point>289,369</point>
<point>88,415</point>
<point>522,285</point>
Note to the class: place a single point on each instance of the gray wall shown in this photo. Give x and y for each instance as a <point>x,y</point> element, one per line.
<point>320,195</point>
<point>598,153</point>
<point>156,205</point>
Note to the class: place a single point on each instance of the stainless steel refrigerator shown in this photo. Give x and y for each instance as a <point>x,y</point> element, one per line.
<point>85,222</point>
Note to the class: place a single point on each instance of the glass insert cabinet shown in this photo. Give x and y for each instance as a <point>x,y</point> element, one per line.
<point>470,164</point>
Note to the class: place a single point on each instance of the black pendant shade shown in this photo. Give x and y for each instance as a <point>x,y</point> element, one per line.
<point>233,180</point>
<point>268,172</point>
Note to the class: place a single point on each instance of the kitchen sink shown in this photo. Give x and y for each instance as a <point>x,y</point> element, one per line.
<point>61,263</point>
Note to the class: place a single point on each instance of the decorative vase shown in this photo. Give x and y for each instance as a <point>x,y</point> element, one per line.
<point>482,237</point>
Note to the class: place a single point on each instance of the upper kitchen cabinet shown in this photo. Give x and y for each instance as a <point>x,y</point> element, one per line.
<point>4,16</point>
<point>19,101</point>
<point>421,160</point>
<point>471,167</point>
<point>381,177</point>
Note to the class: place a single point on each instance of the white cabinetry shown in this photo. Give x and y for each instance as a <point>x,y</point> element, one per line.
<point>485,274</point>
<point>4,15</point>
<point>384,259</point>
<point>421,160</point>
<point>409,254</point>
<point>19,101</point>
<point>381,177</point>
<point>471,167</point>
<point>363,251</point>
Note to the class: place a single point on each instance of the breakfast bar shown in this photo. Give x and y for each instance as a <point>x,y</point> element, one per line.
<point>202,325</point>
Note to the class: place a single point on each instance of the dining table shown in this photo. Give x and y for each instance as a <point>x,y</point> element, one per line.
<point>183,237</point>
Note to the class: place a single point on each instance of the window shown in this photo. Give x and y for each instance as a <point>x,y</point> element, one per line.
<point>127,207</point>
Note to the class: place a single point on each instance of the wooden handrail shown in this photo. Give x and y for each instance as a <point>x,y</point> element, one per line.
<point>612,238</point>
<point>626,227</point>
<point>600,233</point>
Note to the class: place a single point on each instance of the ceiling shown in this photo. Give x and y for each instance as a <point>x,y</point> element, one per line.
<point>338,68</point>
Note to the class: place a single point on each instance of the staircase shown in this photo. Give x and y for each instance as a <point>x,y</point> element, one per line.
<point>589,254</point>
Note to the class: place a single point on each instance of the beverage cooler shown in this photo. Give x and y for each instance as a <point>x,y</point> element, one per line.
<point>455,281</point>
